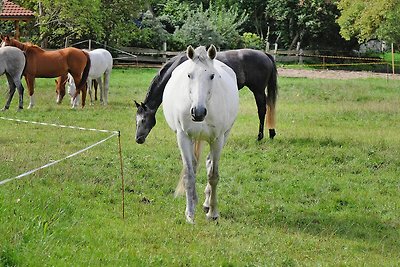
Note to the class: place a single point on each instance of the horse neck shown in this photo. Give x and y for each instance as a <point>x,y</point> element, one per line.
<point>154,96</point>
<point>19,45</point>
<point>155,93</point>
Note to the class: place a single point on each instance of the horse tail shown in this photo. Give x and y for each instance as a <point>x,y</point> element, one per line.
<point>180,188</point>
<point>85,73</point>
<point>272,95</point>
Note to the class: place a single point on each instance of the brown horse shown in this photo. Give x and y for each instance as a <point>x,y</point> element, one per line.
<point>51,64</point>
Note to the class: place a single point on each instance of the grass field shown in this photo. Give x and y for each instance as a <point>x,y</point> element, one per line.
<point>325,191</point>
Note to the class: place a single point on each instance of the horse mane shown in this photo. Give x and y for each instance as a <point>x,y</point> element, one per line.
<point>24,46</point>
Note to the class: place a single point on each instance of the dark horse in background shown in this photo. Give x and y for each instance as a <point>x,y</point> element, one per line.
<point>253,69</point>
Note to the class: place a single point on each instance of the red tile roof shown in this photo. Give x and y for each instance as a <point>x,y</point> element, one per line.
<point>14,11</point>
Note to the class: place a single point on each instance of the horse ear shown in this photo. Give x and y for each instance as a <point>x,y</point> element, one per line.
<point>190,52</point>
<point>137,104</point>
<point>143,106</point>
<point>56,81</point>
<point>212,52</point>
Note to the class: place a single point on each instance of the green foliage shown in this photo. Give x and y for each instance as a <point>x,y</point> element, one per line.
<point>252,40</point>
<point>58,19</point>
<point>310,22</point>
<point>367,19</point>
<point>216,25</point>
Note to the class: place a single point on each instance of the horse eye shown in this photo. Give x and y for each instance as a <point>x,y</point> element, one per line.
<point>212,76</point>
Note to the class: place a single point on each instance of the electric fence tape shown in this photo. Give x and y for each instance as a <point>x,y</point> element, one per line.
<point>113,133</point>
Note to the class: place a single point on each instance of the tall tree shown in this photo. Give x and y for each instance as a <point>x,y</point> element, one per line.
<point>366,19</point>
<point>303,20</point>
<point>57,19</point>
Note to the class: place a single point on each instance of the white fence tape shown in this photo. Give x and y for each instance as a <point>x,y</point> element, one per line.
<point>114,133</point>
<point>59,125</point>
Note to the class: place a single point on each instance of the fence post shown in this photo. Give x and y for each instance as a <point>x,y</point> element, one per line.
<point>301,57</point>
<point>393,71</point>
<point>165,51</point>
<point>275,50</point>
<point>66,42</point>
<point>90,44</point>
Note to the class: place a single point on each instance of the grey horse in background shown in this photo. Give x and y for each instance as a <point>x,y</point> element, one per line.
<point>12,63</point>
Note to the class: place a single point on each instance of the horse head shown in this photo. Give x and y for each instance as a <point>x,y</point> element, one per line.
<point>145,121</point>
<point>5,40</point>
<point>201,77</point>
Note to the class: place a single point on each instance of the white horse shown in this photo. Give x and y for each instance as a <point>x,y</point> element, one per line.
<point>201,103</point>
<point>101,64</point>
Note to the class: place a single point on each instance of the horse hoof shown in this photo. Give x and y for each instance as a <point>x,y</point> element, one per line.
<point>260,136</point>
<point>190,220</point>
<point>212,217</point>
<point>206,209</point>
<point>272,133</point>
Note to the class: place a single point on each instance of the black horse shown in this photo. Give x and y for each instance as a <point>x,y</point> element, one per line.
<point>253,68</point>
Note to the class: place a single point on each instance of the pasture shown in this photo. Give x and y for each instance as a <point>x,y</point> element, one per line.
<point>325,191</point>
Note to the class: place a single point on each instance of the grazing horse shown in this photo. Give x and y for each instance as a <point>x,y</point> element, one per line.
<point>50,64</point>
<point>12,63</point>
<point>200,103</point>
<point>101,64</point>
<point>253,69</point>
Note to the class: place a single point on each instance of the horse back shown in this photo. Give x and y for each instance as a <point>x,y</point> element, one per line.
<point>55,63</point>
<point>252,67</point>
<point>12,61</point>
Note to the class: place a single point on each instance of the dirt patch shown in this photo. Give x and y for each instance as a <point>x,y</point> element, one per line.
<point>334,74</point>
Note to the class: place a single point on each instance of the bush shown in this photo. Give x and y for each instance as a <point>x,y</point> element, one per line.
<point>252,40</point>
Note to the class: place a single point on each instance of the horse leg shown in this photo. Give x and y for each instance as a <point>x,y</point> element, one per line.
<point>95,84</point>
<point>30,82</point>
<point>188,174</point>
<point>89,89</point>
<point>106,86</point>
<point>271,120</point>
<point>100,84</point>
<point>261,101</point>
<point>210,203</point>
<point>11,91</point>
<point>81,89</point>
<point>83,95</point>
<point>20,88</point>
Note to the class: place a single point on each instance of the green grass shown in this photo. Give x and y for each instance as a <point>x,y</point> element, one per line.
<point>324,192</point>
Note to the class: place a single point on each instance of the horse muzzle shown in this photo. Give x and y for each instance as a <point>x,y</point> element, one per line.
<point>198,113</point>
<point>140,139</point>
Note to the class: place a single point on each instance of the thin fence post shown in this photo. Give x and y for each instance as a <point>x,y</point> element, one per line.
<point>275,50</point>
<point>90,45</point>
<point>66,42</point>
<point>393,70</point>
<point>122,175</point>
<point>165,51</point>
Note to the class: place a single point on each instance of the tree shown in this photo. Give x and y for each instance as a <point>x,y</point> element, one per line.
<point>57,19</point>
<point>367,19</point>
<point>309,21</point>
<point>216,25</point>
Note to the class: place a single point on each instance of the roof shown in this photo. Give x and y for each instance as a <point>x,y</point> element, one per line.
<point>11,11</point>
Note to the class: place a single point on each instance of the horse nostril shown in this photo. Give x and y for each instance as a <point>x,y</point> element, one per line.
<point>198,114</point>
